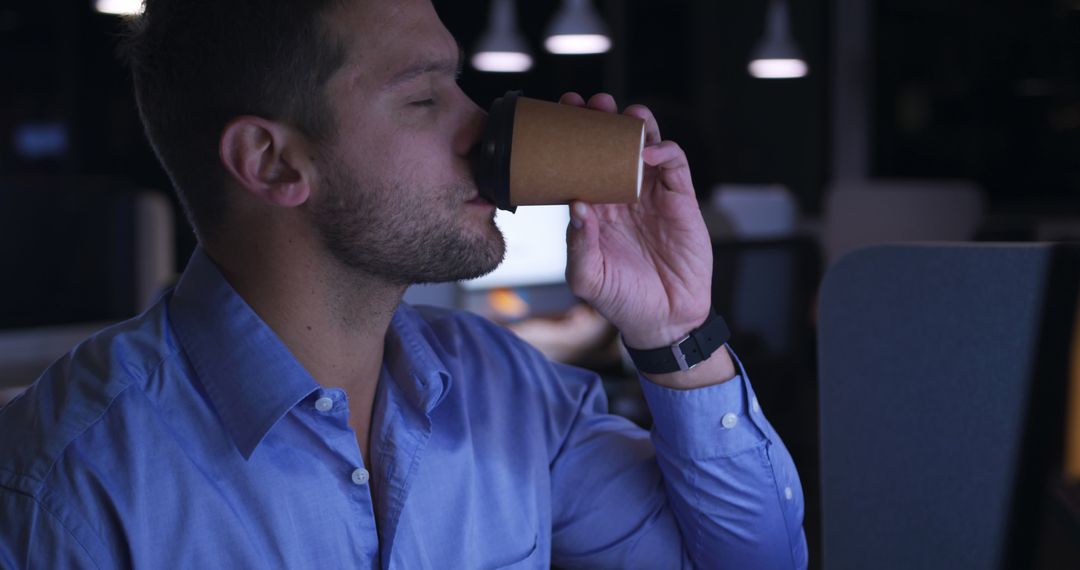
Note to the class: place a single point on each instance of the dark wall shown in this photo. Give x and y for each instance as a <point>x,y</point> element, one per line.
<point>988,90</point>
<point>58,64</point>
<point>684,58</point>
<point>985,90</point>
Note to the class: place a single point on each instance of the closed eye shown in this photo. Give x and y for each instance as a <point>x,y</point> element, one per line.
<point>424,103</point>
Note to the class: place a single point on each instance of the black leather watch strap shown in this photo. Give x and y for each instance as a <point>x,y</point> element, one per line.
<point>684,354</point>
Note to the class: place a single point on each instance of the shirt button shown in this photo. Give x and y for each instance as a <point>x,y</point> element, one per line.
<point>729,421</point>
<point>360,476</point>
<point>756,405</point>
<point>788,494</point>
<point>324,404</point>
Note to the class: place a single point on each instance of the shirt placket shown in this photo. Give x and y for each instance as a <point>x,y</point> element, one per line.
<point>334,406</point>
<point>402,433</point>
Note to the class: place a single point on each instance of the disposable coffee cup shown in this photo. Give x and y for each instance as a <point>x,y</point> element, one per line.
<point>537,152</point>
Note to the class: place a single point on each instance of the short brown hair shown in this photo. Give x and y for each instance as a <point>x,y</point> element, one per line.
<point>196,64</point>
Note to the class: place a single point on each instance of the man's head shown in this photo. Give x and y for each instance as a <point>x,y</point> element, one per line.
<point>339,116</point>
<point>198,63</point>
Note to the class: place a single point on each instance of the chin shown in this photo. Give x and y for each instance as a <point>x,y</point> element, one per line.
<point>488,255</point>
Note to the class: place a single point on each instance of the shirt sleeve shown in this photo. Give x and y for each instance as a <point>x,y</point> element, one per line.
<point>31,536</point>
<point>711,487</point>
<point>730,482</point>
<point>609,508</point>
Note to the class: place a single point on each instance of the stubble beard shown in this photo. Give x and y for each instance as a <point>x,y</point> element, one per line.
<point>385,230</point>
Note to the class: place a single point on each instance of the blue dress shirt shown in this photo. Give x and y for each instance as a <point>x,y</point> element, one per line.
<point>190,437</point>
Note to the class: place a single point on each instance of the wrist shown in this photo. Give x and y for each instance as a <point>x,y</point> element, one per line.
<point>717,369</point>
<point>664,335</point>
<point>696,346</point>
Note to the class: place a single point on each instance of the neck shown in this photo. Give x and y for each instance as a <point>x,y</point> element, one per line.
<point>333,319</point>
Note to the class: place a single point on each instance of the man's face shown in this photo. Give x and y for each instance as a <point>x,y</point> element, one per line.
<point>395,196</point>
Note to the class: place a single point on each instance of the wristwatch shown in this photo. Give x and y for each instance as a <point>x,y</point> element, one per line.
<point>684,354</point>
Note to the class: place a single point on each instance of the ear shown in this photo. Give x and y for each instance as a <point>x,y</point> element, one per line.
<point>268,160</point>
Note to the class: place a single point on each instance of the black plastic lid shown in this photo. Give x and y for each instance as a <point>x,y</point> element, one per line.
<point>493,161</point>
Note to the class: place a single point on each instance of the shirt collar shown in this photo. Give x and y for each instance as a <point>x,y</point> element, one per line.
<point>413,361</point>
<point>251,378</point>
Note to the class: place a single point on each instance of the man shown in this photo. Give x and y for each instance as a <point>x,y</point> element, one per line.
<point>281,408</point>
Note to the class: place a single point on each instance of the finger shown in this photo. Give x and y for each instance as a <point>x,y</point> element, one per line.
<point>674,167</point>
<point>603,102</point>
<point>572,98</point>
<point>667,154</point>
<point>652,129</point>
<point>582,251</point>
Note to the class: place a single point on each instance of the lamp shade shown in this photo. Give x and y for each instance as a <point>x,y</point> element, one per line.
<point>121,7</point>
<point>777,56</point>
<point>501,48</point>
<point>577,29</point>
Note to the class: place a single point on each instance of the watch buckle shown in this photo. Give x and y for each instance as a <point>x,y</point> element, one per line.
<point>680,356</point>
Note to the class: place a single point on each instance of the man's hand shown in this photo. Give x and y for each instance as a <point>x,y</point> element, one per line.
<point>647,267</point>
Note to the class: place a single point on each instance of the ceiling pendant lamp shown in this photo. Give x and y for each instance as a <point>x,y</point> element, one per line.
<point>776,55</point>
<point>501,48</point>
<point>577,29</point>
<point>119,7</point>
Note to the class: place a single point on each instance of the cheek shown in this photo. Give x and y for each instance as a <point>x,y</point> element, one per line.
<point>426,160</point>
<point>412,157</point>
<point>368,156</point>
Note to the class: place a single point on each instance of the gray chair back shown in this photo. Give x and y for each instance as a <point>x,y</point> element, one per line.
<point>943,373</point>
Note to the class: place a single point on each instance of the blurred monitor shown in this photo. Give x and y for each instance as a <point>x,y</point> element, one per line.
<point>531,279</point>
<point>535,248</point>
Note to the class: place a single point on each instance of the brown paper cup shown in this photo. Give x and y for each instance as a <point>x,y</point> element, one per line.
<point>536,152</point>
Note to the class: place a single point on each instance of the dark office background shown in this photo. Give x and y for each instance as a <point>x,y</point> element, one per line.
<point>982,90</point>
<point>987,91</point>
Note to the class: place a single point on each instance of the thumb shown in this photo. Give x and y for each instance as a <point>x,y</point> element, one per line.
<point>582,251</point>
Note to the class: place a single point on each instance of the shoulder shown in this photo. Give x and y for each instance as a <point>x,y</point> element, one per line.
<point>75,392</point>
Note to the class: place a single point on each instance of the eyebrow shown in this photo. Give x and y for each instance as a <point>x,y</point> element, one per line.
<point>442,66</point>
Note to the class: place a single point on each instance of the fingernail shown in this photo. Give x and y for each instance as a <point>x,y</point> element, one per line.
<point>577,214</point>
